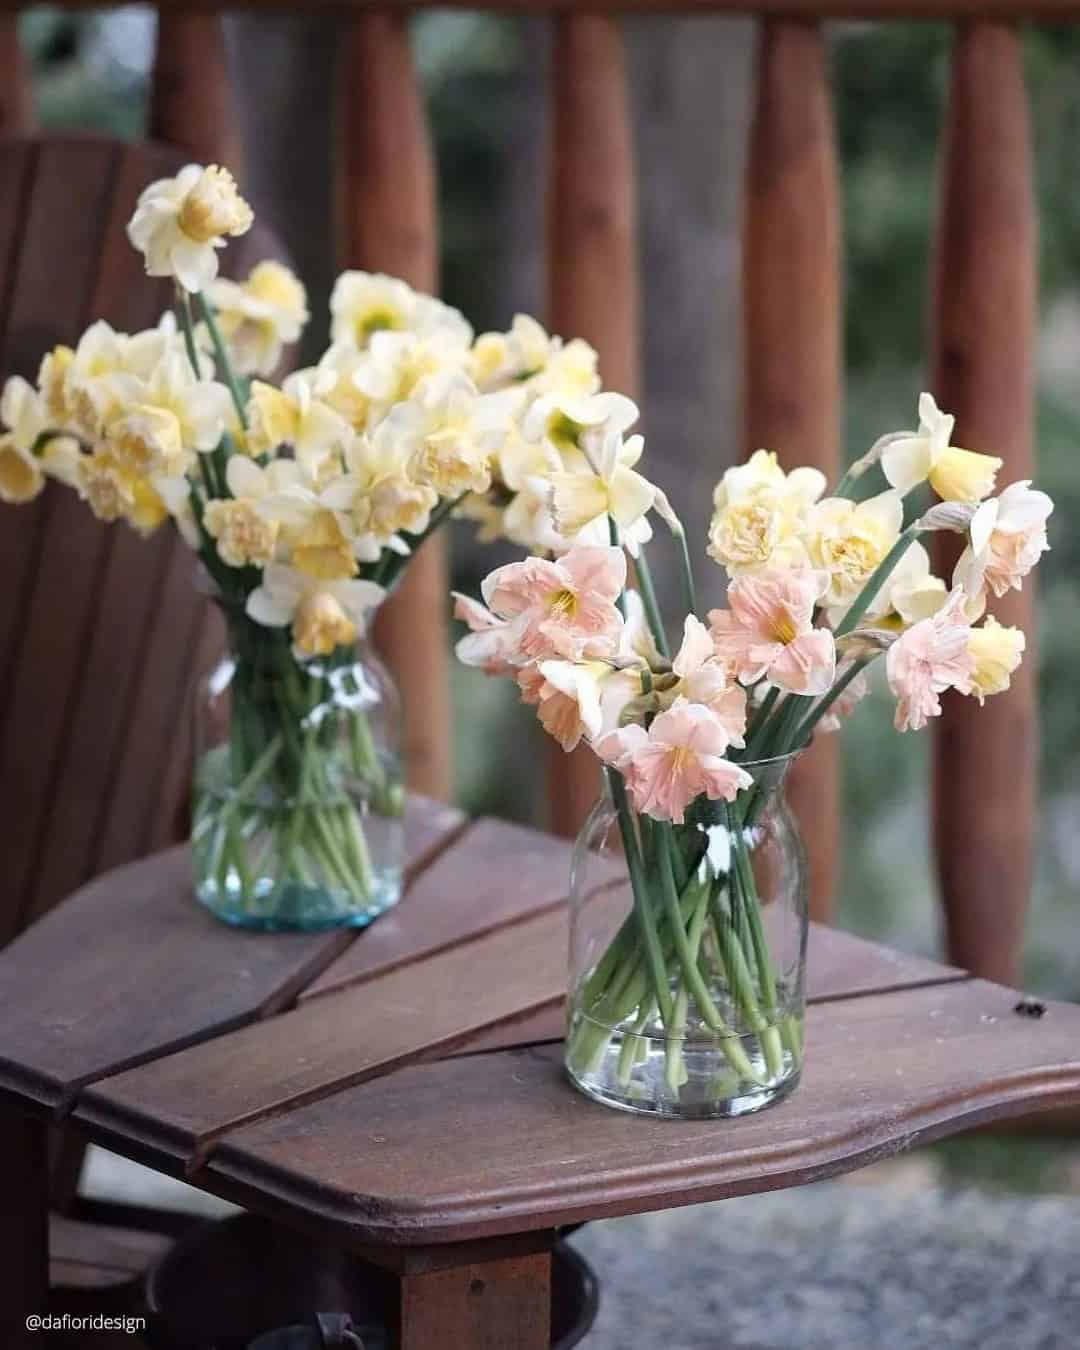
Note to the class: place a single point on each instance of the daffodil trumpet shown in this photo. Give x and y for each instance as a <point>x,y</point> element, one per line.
<point>690,1002</point>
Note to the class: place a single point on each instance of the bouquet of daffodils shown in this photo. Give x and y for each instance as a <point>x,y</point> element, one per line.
<point>303,500</point>
<point>819,587</point>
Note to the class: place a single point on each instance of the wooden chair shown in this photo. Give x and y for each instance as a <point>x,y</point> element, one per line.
<point>101,632</point>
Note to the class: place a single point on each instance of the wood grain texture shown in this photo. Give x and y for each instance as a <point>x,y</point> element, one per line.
<point>494,874</point>
<point>485,1305</point>
<point>386,189</point>
<point>70,997</point>
<point>838,965</point>
<point>24,1225</point>
<point>185,1103</point>
<point>593,288</point>
<point>883,1073</point>
<point>107,1264</point>
<point>791,334</point>
<point>16,95</point>
<point>190,103</point>
<point>984,371</point>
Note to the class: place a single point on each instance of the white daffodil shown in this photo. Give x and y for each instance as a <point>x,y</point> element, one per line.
<point>578,698</point>
<point>293,415</point>
<point>334,381</point>
<point>609,487</point>
<point>910,594</point>
<point>323,614</point>
<point>759,512</point>
<point>247,525</point>
<point>23,414</point>
<point>1007,539</point>
<point>561,421</point>
<point>996,652</point>
<point>169,416</point>
<point>175,496</point>
<point>926,456</point>
<point>180,222</point>
<point>363,304</point>
<point>105,372</point>
<point>527,354</point>
<point>260,316</point>
<point>398,362</point>
<point>452,431</point>
<point>847,540</point>
<point>376,491</point>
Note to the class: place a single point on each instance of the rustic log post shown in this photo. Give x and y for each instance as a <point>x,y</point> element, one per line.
<point>387,198</point>
<point>592,262</point>
<point>983,372</point>
<point>16,96</point>
<point>190,103</point>
<point>791,329</point>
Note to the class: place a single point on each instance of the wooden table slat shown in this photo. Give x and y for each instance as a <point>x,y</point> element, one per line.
<point>130,968</point>
<point>495,874</point>
<point>185,1102</point>
<point>838,965</point>
<point>478,1146</point>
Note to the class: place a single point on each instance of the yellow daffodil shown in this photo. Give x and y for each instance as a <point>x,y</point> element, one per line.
<point>21,478</point>
<point>376,492</point>
<point>759,513</point>
<point>450,437</point>
<point>52,385</point>
<point>323,614</point>
<point>926,456</point>
<point>609,488</point>
<point>322,549</point>
<point>180,222</point>
<point>847,540</point>
<point>527,354</point>
<point>996,651</point>
<point>365,303</point>
<point>260,316</point>
<point>294,416</point>
<point>171,415</point>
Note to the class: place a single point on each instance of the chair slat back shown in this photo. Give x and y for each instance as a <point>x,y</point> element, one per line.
<point>592,262</point>
<point>983,341</point>
<point>791,330</point>
<point>386,185</point>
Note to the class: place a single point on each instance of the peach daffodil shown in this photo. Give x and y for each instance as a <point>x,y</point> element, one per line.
<point>679,758</point>
<point>1008,537</point>
<point>932,656</point>
<point>491,642</point>
<point>563,608</point>
<point>767,631</point>
<point>703,678</point>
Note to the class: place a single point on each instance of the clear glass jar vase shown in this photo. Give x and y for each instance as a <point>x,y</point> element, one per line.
<point>687,982</point>
<point>298,812</point>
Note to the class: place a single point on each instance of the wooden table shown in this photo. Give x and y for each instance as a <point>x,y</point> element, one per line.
<point>399,1090</point>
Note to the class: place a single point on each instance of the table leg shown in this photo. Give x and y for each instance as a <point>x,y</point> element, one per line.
<point>24,1226</point>
<point>499,1304</point>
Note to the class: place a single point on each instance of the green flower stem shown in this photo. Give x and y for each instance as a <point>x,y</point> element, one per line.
<point>675,1063</point>
<point>641,896</point>
<point>652,609</point>
<point>750,908</point>
<point>816,713</point>
<point>222,354</point>
<point>687,573</point>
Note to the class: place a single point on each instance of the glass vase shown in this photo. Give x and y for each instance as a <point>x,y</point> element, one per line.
<point>687,992</point>
<point>298,795</point>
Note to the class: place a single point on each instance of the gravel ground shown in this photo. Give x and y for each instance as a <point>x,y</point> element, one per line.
<point>842,1267</point>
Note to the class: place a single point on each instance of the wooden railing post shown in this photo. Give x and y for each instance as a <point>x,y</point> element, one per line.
<point>387,197</point>
<point>592,261</point>
<point>983,372</point>
<point>190,102</point>
<point>791,329</point>
<point>16,100</point>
